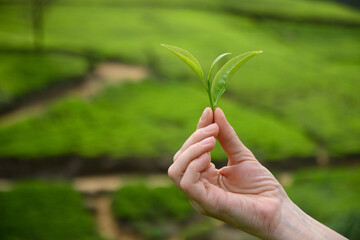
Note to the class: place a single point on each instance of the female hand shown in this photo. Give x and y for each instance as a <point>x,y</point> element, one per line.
<point>244,193</point>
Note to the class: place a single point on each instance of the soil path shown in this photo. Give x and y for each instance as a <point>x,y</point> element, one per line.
<point>97,191</point>
<point>109,183</point>
<point>105,221</point>
<point>102,75</point>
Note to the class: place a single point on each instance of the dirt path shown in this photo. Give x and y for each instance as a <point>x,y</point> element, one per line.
<point>105,221</point>
<point>98,189</point>
<point>103,75</point>
<point>110,183</point>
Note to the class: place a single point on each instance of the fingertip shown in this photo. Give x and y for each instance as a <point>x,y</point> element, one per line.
<point>219,115</point>
<point>206,118</point>
<point>208,109</point>
<point>205,113</point>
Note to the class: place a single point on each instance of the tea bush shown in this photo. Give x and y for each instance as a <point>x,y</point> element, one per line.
<point>330,196</point>
<point>27,72</point>
<point>303,87</point>
<point>144,121</point>
<point>152,212</point>
<point>43,211</point>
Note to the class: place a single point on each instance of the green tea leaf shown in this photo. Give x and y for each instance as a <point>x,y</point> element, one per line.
<point>214,62</point>
<point>218,86</point>
<point>189,59</point>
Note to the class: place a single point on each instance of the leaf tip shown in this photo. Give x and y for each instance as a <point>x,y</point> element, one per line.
<point>260,51</point>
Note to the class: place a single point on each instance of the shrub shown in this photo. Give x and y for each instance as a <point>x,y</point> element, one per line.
<point>152,212</point>
<point>328,195</point>
<point>43,211</point>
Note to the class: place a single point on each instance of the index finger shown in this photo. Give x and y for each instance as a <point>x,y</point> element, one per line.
<point>206,118</point>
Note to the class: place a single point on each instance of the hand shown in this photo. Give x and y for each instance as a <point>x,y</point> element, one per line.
<point>244,193</point>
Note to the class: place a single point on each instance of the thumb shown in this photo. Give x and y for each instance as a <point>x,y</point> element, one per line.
<point>234,148</point>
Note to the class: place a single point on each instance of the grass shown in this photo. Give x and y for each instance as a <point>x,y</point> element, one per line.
<point>147,120</point>
<point>42,211</point>
<point>24,73</point>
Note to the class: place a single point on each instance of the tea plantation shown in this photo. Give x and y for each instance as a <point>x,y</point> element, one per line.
<point>294,105</point>
<point>303,88</point>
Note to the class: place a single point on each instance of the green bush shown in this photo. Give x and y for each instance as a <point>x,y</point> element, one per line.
<point>43,211</point>
<point>144,121</point>
<point>300,93</point>
<point>329,195</point>
<point>348,225</point>
<point>152,212</point>
<point>23,73</point>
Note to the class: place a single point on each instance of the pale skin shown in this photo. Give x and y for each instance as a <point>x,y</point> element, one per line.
<point>244,193</point>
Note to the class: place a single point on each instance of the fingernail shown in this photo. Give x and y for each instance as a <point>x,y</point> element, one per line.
<point>210,128</point>
<point>206,141</point>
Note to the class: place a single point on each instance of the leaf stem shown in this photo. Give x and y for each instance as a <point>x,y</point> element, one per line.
<point>209,94</point>
<point>211,102</point>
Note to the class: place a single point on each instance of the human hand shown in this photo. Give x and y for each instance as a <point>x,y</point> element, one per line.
<point>244,193</point>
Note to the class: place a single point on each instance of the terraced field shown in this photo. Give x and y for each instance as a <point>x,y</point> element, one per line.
<point>62,113</point>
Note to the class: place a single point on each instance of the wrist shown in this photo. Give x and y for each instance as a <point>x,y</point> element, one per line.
<point>293,223</point>
<point>296,224</point>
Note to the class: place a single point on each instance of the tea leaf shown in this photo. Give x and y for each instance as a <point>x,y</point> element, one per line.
<point>218,86</point>
<point>189,59</point>
<point>214,62</point>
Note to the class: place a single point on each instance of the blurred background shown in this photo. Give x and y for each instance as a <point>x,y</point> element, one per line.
<point>92,110</point>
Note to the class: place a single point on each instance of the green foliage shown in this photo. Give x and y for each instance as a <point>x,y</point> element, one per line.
<point>198,230</point>
<point>348,225</point>
<point>215,88</point>
<point>301,10</point>
<point>307,83</point>
<point>150,211</point>
<point>329,195</point>
<point>189,59</point>
<point>42,211</point>
<point>218,85</point>
<point>23,73</point>
<point>123,123</point>
<point>221,56</point>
